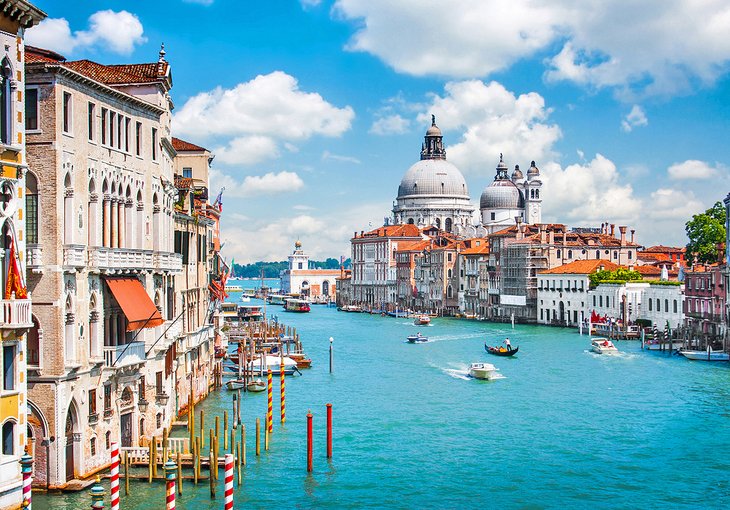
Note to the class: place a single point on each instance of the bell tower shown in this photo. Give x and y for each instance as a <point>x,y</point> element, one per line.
<point>533,196</point>
<point>298,260</point>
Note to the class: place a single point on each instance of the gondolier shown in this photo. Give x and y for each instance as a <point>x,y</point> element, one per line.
<point>507,344</point>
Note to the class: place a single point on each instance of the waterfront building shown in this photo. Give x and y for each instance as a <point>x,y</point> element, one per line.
<point>617,301</point>
<point>102,348</point>
<point>196,298</point>
<point>374,263</point>
<point>658,255</point>
<point>300,280</point>
<point>344,288</point>
<point>16,117</point>
<point>726,201</point>
<point>508,200</point>
<point>405,267</point>
<point>518,253</point>
<point>562,292</point>
<point>433,191</point>
<point>470,261</point>
<point>662,304</point>
<point>705,301</point>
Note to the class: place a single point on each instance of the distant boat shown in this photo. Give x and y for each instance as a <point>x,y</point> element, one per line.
<point>234,288</point>
<point>296,305</point>
<point>422,320</point>
<point>417,338</point>
<point>603,346</point>
<point>245,299</point>
<point>706,355</point>
<point>230,311</point>
<point>485,371</point>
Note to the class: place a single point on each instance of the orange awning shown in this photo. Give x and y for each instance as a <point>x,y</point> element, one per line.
<point>137,306</point>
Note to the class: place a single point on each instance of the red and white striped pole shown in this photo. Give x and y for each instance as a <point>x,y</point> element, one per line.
<point>228,480</point>
<point>170,475</point>
<point>114,485</point>
<point>26,467</point>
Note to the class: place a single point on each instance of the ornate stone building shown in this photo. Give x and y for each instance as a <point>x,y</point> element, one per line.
<point>505,199</point>
<point>15,311</point>
<point>299,279</point>
<point>103,345</point>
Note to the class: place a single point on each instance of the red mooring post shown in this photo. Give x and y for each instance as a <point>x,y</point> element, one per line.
<point>309,441</point>
<point>329,431</point>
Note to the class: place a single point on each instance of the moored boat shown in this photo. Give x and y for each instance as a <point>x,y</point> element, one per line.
<point>707,355</point>
<point>250,313</point>
<point>235,384</point>
<point>417,338</point>
<point>501,351</point>
<point>422,320</point>
<point>485,371</point>
<point>301,360</point>
<point>256,385</point>
<point>603,346</point>
<point>296,305</point>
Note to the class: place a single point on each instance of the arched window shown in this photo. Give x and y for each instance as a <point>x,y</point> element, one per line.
<point>438,222</point>
<point>448,291</point>
<point>9,438</point>
<point>108,439</point>
<point>34,345</point>
<point>537,193</point>
<point>410,221</point>
<point>449,273</point>
<point>598,254</point>
<point>6,102</point>
<point>570,254</point>
<point>557,254</point>
<point>666,305</point>
<point>448,224</point>
<point>31,208</point>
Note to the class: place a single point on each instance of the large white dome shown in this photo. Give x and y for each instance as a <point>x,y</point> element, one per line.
<point>433,177</point>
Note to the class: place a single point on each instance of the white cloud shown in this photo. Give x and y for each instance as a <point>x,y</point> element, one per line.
<point>390,125</point>
<point>635,118</point>
<point>201,2</point>
<point>256,185</point>
<point>611,43</point>
<point>308,4</point>
<point>247,150</point>
<point>693,169</point>
<point>327,155</point>
<point>493,121</point>
<point>254,120</point>
<point>588,194</point>
<point>672,204</point>
<point>270,105</point>
<point>119,32</point>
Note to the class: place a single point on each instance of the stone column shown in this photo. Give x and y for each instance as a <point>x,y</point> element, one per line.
<point>106,221</point>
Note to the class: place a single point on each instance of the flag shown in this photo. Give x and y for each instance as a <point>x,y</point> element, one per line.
<point>15,279</point>
<point>219,200</point>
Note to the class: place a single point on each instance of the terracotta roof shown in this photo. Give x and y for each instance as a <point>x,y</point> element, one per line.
<point>413,245</point>
<point>33,55</point>
<point>407,230</point>
<point>183,146</point>
<point>583,267</point>
<point>183,182</point>
<point>663,249</point>
<point>476,250</point>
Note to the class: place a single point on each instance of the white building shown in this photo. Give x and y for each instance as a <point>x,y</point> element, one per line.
<point>662,303</point>
<point>298,278</point>
<point>617,301</point>
<point>562,292</point>
<point>505,199</point>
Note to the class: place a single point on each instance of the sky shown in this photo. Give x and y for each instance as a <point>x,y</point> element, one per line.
<point>315,109</point>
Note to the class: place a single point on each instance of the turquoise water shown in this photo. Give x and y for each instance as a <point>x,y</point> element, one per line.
<point>562,428</point>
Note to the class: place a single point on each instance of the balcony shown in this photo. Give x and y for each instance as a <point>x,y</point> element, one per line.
<point>15,314</point>
<point>74,256</point>
<point>167,261</point>
<point>118,356</point>
<point>104,259</point>
<point>33,256</point>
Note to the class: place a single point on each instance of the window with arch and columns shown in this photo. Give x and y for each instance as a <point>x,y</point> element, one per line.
<point>7,85</point>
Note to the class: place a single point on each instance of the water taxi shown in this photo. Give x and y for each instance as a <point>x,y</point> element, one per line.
<point>485,371</point>
<point>230,312</point>
<point>417,338</point>
<point>422,320</point>
<point>296,305</point>
<point>276,299</point>
<point>250,313</point>
<point>603,346</point>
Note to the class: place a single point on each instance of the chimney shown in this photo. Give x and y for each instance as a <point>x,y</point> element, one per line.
<point>623,235</point>
<point>612,229</point>
<point>354,234</point>
<point>565,238</point>
<point>603,228</point>
<point>543,234</point>
<point>632,234</point>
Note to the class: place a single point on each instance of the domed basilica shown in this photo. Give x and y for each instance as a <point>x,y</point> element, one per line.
<point>434,192</point>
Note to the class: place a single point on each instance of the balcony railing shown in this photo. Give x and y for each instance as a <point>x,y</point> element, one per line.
<point>119,258</point>
<point>74,255</point>
<point>118,356</point>
<point>15,314</point>
<point>33,255</point>
<point>167,261</point>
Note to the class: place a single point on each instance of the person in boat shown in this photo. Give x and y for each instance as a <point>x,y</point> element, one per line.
<point>507,344</point>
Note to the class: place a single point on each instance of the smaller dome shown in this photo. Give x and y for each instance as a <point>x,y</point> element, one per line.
<point>533,171</point>
<point>517,174</point>
<point>297,245</point>
<point>434,129</point>
<point>502,194</point>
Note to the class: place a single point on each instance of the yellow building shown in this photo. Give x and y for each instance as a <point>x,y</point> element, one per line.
<point>15,310</point>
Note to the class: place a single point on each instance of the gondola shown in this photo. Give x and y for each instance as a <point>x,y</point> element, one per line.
<point>497,352</point>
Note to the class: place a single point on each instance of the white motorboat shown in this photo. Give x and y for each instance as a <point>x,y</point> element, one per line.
<point>422,320</point>
<point>706,355</point>
<point>603,346</point>
<point>485,371</point>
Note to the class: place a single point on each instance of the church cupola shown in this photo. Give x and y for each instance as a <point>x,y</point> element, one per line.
<point>433,144</point>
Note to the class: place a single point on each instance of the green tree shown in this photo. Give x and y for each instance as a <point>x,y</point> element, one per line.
<point>705,231</point>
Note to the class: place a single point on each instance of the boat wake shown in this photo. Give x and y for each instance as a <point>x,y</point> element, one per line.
<point>461,371</point>
<point>454,337</point>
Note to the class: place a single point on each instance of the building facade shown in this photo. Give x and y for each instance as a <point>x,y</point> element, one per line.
<point>16,317</point>
<point>299,279</point>
<point>103,270</point>
<point>705,304</point>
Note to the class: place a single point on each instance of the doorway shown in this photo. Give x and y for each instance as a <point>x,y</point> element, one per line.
<point>126,429</point>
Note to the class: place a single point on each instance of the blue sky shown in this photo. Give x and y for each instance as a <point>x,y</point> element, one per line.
<point>316,108</point>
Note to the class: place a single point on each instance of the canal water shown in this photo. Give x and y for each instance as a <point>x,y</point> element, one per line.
<point>561,428</point>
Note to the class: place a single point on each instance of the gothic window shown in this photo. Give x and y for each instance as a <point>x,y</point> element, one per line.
<point>6,102</point>
<point>537,193</point>
<point>448,224</point>
<point>438,222</point>
<point>9,438</point>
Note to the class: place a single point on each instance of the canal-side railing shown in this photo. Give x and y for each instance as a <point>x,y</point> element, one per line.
<point>141,454</point>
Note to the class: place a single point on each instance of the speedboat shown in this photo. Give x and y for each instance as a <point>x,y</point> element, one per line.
<point>417,338</point>
<point>603,346</point>
<point>706,355</point>
<point>485,371</point>
<point>422,320</point>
